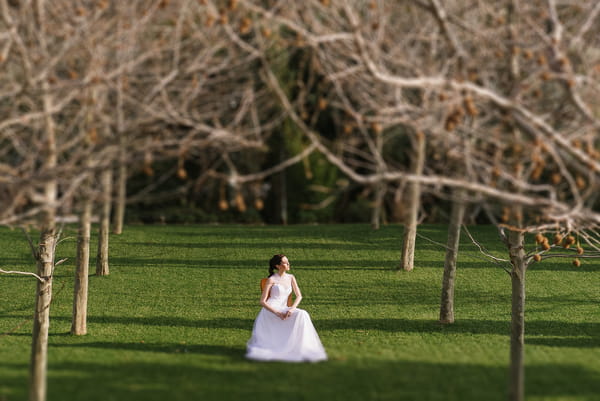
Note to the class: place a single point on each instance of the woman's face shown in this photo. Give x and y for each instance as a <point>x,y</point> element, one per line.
<point>284,265</point>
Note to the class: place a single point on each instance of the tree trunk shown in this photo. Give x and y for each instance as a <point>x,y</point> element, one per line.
<point>103,233</point>
<point>121,193</point>
<point>41,320</point>
<point>377,206</point>
<point>122,170</point>
<point>282,194</point>
<point>80,297</point>
<point>380,187</point>
<point>456,219</point>
<point>517,336</point>
<point>413,198</point>
<point>45,261</point>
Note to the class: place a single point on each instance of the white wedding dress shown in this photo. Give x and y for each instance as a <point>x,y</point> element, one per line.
<point>291,340</point>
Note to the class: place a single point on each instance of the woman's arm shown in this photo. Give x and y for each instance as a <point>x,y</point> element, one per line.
<point>297,293</point>
<point>263,300</point>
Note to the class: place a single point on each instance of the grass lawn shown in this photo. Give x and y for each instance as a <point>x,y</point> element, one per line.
<point>172,319</point>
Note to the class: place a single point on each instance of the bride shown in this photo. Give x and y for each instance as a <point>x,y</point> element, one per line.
<point>282,332</point>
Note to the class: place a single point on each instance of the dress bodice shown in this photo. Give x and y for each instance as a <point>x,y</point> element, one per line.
<point>279,294</point>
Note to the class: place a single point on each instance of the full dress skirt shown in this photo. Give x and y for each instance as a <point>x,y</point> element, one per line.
<point>291,340</point>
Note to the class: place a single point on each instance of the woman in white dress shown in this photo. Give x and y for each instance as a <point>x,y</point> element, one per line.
<point>282,332</point>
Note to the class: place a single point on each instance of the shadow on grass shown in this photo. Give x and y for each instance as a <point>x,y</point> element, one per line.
<point>564,333</point>
<point>174,348</point>
<point>236,379</point>
<point>559,334</point>
<point>341,263</point>
<point>566,342</point>
<point>261,266</point>
<point>269,245</point>
<point>554,333</point>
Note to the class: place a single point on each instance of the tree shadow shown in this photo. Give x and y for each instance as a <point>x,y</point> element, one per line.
<point>168,321</point>
<point>236,353</point>
<point>268,245</point>
<point>565,342</point>
<point>255,264</point>
<point>181,377</point>
<point>587,333</point>
<point>541,332</point>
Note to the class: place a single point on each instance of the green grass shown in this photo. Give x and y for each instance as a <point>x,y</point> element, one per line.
<point>172,319</point>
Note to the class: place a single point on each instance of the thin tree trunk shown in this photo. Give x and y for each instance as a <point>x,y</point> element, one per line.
<point>456,219</point>
<point>103,234</point>
<point>45,261</point>
<point>283,201</point>
<point>41,320</point>
<point>80,296</point>
<point>380,187</point>
<point>377,206</point>
<point>122,169</point>
<point>517,336</point>
<point>413,198</point>
<point>121,192</point>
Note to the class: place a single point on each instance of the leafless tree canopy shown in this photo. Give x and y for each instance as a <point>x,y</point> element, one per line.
<point>162,79</point>
<point>505,93</point>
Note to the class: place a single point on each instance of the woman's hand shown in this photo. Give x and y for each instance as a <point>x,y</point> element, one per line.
<point>285,314</point>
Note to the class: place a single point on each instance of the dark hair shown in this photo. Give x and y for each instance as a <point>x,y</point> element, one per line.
<point>275,260</point>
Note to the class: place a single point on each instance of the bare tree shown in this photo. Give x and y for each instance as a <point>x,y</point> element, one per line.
<point>414,197</point>
<point>448,280</point>
<point>521,74</point>
<point>102,266</point>
<point>174,98</point>
<point>80,289</point>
